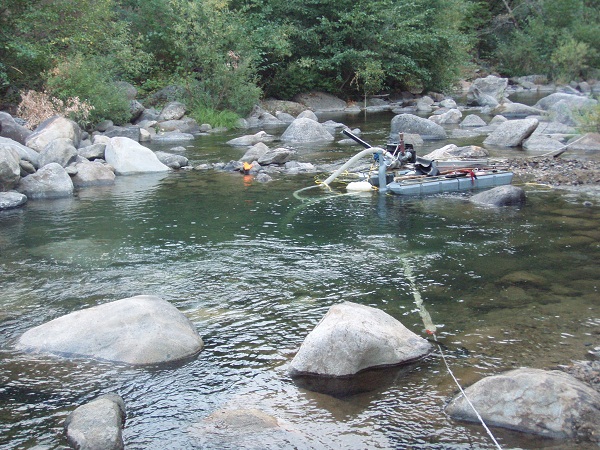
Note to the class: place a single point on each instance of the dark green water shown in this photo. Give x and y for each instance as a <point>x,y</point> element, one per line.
<point>255,269</point>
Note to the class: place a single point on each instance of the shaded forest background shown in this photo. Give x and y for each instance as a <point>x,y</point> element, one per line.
<point>225,55</point>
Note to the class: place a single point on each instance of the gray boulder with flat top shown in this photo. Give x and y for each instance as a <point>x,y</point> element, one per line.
<point>139,330</point>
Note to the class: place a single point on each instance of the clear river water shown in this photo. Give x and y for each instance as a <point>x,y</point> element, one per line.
<point>255,269</point>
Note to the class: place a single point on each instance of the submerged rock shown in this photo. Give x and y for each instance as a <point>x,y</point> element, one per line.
<point>501,196</point>
<point>138,330</point>
<point>548,403</point>
<point>97,425</point>
<point>353,337</point>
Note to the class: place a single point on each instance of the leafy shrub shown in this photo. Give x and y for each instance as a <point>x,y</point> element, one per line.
<point>570,60</point>
<point>589,119</point>
<point>35,107</point>
<point>88,79</point>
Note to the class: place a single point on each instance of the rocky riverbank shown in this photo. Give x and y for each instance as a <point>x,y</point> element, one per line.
<point>556,172</point>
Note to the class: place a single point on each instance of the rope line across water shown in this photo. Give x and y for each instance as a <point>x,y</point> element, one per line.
<point>430,328</point>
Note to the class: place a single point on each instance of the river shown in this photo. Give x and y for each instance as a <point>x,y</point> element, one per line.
<point>255,269</point>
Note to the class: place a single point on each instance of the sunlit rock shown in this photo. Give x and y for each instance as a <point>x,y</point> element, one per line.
<point>138,330</point>
<point>409,123</point>
<point>512,132</point>
<point>353,337</point>
<point>488,91</point>
<point>53,128</point>
<point>128,156</point>
<point>548,403</point>
<point>97,425</point>
<point>306,130</point>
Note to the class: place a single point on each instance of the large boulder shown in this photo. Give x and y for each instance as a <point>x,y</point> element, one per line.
<point>53,128</point>
<point>92,173</point>
<point>409,123</point>
<point>472,121</point>
<point>250,139</point>
<point>588,144</point>
<point>24,152</point>
<point>500,196</point>
<point>320,101</point>
<point>10,170</point>
<point>548,403</point>
<point>277,156</point>
<point>171,137</point>
<point>306,130</point>
<point>172,160</point>
<point>51,181</point>
<point>91,152</point>
<point>12,199</point>
<point>573,101</point>
<point>97,425</point>
<point>353,337</point>
<point>451,116</point>
<point>172,111</point>
<point>128,157</point>
<point>60,151</point>
<point>128,132</point>
<point>451,151</point>
<point>510,109</point>
<point>512,132</point>
<point>541,143</point>
<point>255,152</point>
<point>489,91</point>
<point>185,125</point>
<point>11,129</point>
<point>139,330</point>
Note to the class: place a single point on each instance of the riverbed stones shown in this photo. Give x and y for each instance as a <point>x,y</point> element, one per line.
<point>53,128</point>
<point>410,123</point>
<point>25,153</point>
<point>511,133</point>
<point>548,403</point>
<point>50,181</point>
<point>472,121</point>
<point>97,425</point>
<point>306,130</point>
<point>513,110</point>
<point>353,337</point>
<point>277,156</point>
<point>129,157</point>
<point>139,330</point>
<point>501,196</point>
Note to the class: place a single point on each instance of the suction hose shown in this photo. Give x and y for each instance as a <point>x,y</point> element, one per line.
<point>351,161</point>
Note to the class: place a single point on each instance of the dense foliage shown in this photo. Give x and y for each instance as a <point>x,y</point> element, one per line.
<point>225,54</point>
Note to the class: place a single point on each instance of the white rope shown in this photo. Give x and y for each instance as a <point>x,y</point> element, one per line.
<point>430,328</point>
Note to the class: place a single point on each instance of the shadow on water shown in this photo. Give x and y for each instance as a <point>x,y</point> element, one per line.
<point>365,381</point>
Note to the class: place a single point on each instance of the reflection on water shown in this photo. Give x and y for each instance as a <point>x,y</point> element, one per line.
<point>255,270</point>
